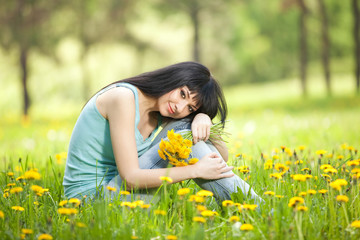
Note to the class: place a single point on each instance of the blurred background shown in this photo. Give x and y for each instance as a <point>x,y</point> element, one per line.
<point>284,55</point>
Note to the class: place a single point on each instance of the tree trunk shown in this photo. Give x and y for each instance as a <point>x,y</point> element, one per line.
<point>194,12</point>
<point>357,43</point>
<point>325,45</point>
<point>303,46</point>
<point>24,79</point>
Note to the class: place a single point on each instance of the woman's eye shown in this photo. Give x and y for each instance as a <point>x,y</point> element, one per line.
<point>191,109</point>
<point>182,93</point>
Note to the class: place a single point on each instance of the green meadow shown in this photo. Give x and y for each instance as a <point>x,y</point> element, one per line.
<point>299,154</point>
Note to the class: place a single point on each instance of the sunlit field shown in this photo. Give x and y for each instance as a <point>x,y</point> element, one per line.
<point>300,155</point>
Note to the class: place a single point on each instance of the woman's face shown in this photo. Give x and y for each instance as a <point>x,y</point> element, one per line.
<point>178,103</point>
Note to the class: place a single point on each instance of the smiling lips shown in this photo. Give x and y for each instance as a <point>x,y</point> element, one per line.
<point>170,109</point>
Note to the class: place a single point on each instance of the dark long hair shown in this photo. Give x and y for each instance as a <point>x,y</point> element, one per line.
<point>197,77</point>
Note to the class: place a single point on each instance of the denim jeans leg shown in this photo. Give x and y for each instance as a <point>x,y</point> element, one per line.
<point>223,188</point>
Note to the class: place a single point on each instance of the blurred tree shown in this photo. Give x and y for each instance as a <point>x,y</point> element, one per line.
<point>325,45</point>
<point>356,15</point>
<point>192,9</point>
<point>97,22</point>
<point>26,26</point>
<point>303,33</point>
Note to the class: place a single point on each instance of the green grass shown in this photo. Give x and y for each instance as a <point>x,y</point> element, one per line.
<point>262,119</point>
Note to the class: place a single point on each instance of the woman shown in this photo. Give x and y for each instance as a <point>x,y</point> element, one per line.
<point>111,144</point>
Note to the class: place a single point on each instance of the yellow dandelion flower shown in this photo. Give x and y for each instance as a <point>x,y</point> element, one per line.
<point>276,175</point>
<point>323,191</point>
<point>320,152</point>
<point>352,163</point>
<point>325,166</point>
<point>134,237</point>
<point>162,145</point>
<point>199,219</point>
<point>302,208</point>
<point>187,143</point>
<point>311,192</point>
<point>126,204</point>
<point>204,193</point>
<point>16,190</point>
<point>63,202</point>
<point>111,189</point>
<point>18,208</point>
<point>299,177</point>
<point>302,194</point>
<point>201,208</point>
<point>10,174</point>
<point>195,198</point>
<point>181,164</point>
<point>350,148</point>
<point>32,175</point>
<point>145,206</point>
<point>171,237</point>
<point>281,167</point>
<point>275,157</point>
<point>207,213</point>
<point>161,154</point>
<point>305,170</point>
<point>75,201</point>
<point>138,202</point>
<point>27,231</point>
<point>325,176</point>
<point>355,224</point>
<point>249,206</point>
<point>166,179</point>
<point>5,195</point>
<point>301,147</point>
<point>279,196</point>
<point>192,161</point>
<point>2,215</point>
<point>45,236</point>
<point>342,198</point>
<point>160,212</point>
<point>298,162</point>
<point>294,201</point>
<point>246,227</point>
<point>10,184</point>
<point>339,157</point>
<point>36,203</point>
<point>288,151</point>
<point>124,193</point>
<point>355,170</point>
<point>330,170</point>
<point>270,193</point>
<point>234,219</point>
<point>67,211</point>
<point>183,191</point>
<point>227,203</point>
<point>268,165</point>
<point>338,183</point>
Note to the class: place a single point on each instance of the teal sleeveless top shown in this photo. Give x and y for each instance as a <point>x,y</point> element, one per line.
<point>90,162</point>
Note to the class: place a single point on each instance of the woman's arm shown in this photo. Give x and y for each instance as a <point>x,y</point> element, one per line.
<point>119,109</point>
<point>200,128</point>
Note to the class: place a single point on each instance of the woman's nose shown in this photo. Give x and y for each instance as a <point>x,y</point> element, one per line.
<point>181,106</point>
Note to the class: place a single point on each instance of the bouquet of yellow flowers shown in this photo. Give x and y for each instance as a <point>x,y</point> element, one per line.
<point>177,149</point>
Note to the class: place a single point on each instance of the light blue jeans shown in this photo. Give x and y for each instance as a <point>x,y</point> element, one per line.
<point>222,188</point>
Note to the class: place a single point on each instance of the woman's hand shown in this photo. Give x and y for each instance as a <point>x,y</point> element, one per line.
<point>211,166</point>
<point>200,127</point>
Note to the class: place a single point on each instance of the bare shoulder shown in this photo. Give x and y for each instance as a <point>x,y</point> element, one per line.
<point>116,99</point>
